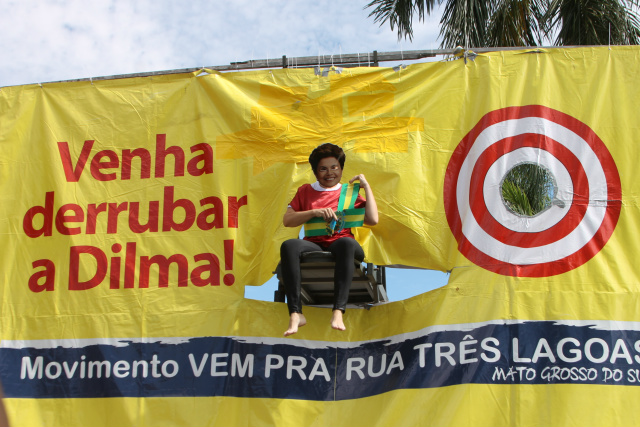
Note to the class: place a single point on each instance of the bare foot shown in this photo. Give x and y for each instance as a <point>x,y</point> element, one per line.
<point>296,320</point>
<point>336,321</point>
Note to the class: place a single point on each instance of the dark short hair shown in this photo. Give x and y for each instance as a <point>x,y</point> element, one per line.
<point>326,150</point>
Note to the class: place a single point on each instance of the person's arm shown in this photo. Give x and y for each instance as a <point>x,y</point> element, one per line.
<point>294,219</point>
<point>371,208</point>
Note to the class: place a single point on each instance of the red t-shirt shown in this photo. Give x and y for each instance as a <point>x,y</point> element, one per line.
<point>314,196</point>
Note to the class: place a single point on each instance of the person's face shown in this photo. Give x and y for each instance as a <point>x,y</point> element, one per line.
<point>329,172</point>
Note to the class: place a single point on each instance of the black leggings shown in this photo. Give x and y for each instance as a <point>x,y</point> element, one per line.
<point>345,250</point>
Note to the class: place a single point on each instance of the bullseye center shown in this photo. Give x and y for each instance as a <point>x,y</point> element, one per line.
<point>528,189</point>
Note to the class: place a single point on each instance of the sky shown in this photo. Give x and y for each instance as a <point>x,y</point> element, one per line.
<point>51,40</point>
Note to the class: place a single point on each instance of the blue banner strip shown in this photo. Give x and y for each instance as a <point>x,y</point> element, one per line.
<point>493,353</point>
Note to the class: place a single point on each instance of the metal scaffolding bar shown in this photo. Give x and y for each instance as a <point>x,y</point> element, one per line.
<point>367,59</point>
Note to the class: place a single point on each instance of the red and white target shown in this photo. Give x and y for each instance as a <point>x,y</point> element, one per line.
<point>579,222</point>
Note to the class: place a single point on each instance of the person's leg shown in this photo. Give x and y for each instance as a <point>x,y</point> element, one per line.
<point>290,252</point>
<point>345,251</point>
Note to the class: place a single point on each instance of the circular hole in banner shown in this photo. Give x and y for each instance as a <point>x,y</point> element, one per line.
<point>528,189</point>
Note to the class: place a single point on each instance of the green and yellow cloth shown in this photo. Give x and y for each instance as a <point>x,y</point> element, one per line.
<point>348,216</point>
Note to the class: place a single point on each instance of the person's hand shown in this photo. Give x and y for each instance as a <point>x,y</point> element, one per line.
<point>326,213</point>
<point>370,209</point>
<point>363,181</point>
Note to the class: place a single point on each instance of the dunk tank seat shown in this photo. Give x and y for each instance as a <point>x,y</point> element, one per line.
<point>367,287</point>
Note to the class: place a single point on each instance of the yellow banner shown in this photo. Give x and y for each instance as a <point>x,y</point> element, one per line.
<point>135,211</point>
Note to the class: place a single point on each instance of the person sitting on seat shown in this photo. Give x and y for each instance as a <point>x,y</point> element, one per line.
<point>321,200</point>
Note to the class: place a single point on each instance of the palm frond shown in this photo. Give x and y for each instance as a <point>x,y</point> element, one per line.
<point>516,199</point>
<point>528,189</point>
<point>464,22</point>
<point>594,22</point>
<point>517,23</point>
<point>400,13</point>
<point>480,23</point>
